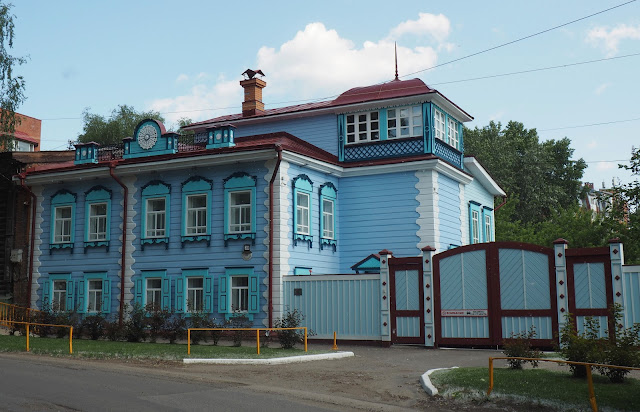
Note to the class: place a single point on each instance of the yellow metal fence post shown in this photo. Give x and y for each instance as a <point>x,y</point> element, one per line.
<point>188,341</point>
<point>305,339</point>
<point>258,340</point>
<point>27,337</point>
<point>592,394</point>
<point>71,340</point>
<point>490,376</point>
<point>335,346</point>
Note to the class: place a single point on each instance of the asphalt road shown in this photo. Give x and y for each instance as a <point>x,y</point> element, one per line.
<point>31,383</point>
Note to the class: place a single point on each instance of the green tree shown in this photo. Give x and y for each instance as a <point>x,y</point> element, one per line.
<point>119,125</point>
<point>11,87</point>
<point>540,175</point>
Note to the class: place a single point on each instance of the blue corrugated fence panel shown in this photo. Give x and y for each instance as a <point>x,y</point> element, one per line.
<point>408,327</point>
<point>631,296</point>
<point>602,321</point>
<point>407,290</point>
<point>465,327</point>
<point>513,325</point>
<point>590,285</point>
<point>524,280</point>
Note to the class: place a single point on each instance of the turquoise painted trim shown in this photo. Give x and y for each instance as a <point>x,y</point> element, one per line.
<point>165,144</point>
<point>428,135</point>
<point>207,289</point>
<point>302,184</point>
<point>473,207</point>
<point>140,287</point>
<point>87,153</point>
<point>48,290</point>
<point>83,292</point>
<point>224,292</point>
<point>239,182</point>
<point>487,212</point>
<point>155,190</point>
<point>328,192</point>
<point>63,198</point>
<point>301,271</point>
<point>342,133</point>
<point>196,186</point>
<point>383,126</point>
<point>97,195</point>
<point>221,137</point>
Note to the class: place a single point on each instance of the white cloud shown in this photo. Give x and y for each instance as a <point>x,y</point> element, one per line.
<point>315,63</point>
<point>495,117</point>
<point>600,89</point>
<point>610,39</point>
<point>592,144</point>
<point>182,78</point>
<point>437,26</point>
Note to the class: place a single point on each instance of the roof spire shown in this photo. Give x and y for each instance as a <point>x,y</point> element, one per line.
<point>395,48</point>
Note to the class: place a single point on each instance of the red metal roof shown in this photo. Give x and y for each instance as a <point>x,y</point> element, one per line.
<point>389,90</point>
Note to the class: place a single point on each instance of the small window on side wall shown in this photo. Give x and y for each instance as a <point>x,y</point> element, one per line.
<point>328,198</point>
<point>487,224</point>
<point>302,210</point>
<point>98,212</point>
<point>475,223</point>
<point>63,211</point>
<point>156,200</point>
<point>196,206</point>
<point>240,207</point>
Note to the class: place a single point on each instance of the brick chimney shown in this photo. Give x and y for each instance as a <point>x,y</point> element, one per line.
<point>252,86</point>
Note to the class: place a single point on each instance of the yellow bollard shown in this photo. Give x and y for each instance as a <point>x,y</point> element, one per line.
<point>490,375</point>
<point>258,340</point>
<point>592,394</point>
<point>27,337</point>
<point>71,340</point>
<point>335,346</point>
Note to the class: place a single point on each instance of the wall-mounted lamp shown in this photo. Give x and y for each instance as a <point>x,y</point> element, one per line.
<point>246,252</point>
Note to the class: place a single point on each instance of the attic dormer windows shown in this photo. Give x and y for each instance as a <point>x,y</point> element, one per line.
<point>404,122</point>
<point>439,125</point>
<point>363,127</point>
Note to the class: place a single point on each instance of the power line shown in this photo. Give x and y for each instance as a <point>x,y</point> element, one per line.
<point>537,69</point>
<point>518,40</point>
<point>592,124</point>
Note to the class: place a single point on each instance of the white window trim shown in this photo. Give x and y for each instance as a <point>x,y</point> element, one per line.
<point>155,220</point>
<point>239,225</point>
<point>453,134</point>
<point>63,236</point>
<point>328,234</point>
<point>194,307</point>
<point>413,119</point>
<point>199,228</point>
<point>306,210</point>
<point>475,226</point>
<point>147,289</point>
<point>439,125</point>
<point>93,292</point>
<point>95,236</point>
<point>370,132</point>
<point>59,303</point>
<point>241,295</point>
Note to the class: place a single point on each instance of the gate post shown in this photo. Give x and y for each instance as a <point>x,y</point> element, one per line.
<point>562,295</point>
<point>427,276</point>
<point>617,260</point>
<point>385,288</point>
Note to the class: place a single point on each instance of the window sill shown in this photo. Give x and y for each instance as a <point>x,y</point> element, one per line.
<point>239,236</point>
<point>303,238</point>
<point>382,141</point>
<point>229,316</point>
<point>328,242</point>
<point>97,243</point>
<point>197,238</point>
<point>155,240</point>
<point>60,246</point>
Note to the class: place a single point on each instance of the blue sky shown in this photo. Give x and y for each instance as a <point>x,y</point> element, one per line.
<point>185,59</point>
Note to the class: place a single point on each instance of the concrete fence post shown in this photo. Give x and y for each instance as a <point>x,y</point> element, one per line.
<point>427,282</point>
<point>562,295</point>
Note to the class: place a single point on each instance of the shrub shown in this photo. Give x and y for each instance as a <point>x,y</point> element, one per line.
<point>239,320</point>
<point>290,319</point>
<point>156,321</point>
<point>93,325</point>
<point>113,330</point>
<point>200,319</point>
<point>622,350</point>
<point>135,327</point>
<point>586,347</point>
<point>175,328</point>
<point>70,318</point>
<point>45,316</point>
<point>520,345</point>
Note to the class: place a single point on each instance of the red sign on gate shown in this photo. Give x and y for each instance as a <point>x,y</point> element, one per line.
<point>465,312</point>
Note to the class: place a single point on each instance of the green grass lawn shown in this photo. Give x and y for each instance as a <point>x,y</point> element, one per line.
<point>101,349</point>
<point>539,384</point>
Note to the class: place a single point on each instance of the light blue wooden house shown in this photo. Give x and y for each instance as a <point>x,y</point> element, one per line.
<point>225,216</point>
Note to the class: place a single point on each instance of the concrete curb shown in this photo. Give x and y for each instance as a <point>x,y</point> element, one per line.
<point>272,361</point>
<point>425,381</point>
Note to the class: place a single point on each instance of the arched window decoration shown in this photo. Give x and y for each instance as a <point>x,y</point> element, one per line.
<point>98,217</point>
<point>63,216</point>
<point>328,196</point>
<point>240,207</point>
<point>196,210</point>
<point>302,210</point>
<point>156,199</point>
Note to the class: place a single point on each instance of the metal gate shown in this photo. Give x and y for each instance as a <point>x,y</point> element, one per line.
<point>407,300</point>
<point>487,292</point>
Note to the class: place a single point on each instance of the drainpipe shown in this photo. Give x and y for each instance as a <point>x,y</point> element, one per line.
<point>112,166</point>
<point>273,178</point>
<point>32,236</point>
<point>504,201</point>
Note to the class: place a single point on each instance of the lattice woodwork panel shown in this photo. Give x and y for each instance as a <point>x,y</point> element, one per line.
<point>447,153</point>
<point>383,150</point>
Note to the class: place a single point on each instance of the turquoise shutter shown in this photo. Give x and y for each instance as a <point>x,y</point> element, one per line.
<point>223,286</point>
<point>82,306</point>
<point>180,295</point>
<point>69,295</point>
<point>208,294</point>
<point>45,294</point>
<point>166,294</point>
<point>106,296</point>
<point>139,289</point>
<point>254,296</point>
